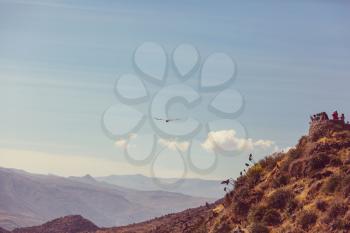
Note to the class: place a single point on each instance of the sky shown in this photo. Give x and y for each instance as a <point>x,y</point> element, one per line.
<point>59,62</point>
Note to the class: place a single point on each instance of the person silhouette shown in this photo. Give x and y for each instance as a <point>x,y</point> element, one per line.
<point>342,118</point>
<point>335,115</point>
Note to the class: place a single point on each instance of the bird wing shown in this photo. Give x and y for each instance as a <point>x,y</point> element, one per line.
<point>174,119</point>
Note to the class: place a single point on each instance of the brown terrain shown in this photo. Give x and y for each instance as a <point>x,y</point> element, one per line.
<point>306,189</point>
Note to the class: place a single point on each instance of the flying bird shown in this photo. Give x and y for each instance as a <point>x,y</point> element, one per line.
<point>166,120</point>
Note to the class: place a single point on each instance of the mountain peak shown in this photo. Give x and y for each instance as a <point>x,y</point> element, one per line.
<point>67,224</point>
<point>88,177</point>
<point>323,126</point>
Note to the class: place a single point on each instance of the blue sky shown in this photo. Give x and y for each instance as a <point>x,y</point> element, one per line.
<point>59,61</point>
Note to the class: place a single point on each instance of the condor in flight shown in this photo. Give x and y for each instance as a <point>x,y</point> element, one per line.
<point>167,120</point>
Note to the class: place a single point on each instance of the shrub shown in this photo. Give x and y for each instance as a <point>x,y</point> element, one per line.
<point>345,223</point>
<point>272,217</point>
<point>294,153</point>
<point>224,228</point>
<point>256,214</point>
<point>289,228</point>
<point>292,205</point>
<point>269,162</point>
<point>336,162</point>
<point>254,174</point>
<point>319,161</point>
<point>258,228</point>
<point>240,207</point>
<point>296,169</point>
<point>346,190</point>
<point>340,224</point>
<point>321,205</point>
<point>307,219</point>
<point>346,186</point>
<point>279,199</point>
<point>280,181</point>
<point>332,184</point>
<point>338,209</point>
<point>285,164</point>
<point>242,192</point>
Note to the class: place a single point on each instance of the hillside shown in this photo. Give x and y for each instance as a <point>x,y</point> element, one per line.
<point>27,199</point>
<point>306,189</point>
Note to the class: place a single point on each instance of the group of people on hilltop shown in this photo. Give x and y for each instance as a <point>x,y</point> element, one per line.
<point>336,116</point>
<point>323,116</point>
<point>319,117</point>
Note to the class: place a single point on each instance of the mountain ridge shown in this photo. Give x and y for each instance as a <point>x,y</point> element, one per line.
<point>190,186</point>
<point>31,199</point>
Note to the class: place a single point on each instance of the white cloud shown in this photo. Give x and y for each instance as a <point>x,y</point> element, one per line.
<point>174,145</point>
<point>228,140</point>
<point>264,144</point>
<point>122,142</point>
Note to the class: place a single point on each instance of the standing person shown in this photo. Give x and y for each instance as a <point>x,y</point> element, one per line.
<point>335,115</point>
<point>342,118</point>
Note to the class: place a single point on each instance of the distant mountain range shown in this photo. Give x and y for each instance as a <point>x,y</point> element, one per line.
<point>29,199</point>
<point>192,187</point>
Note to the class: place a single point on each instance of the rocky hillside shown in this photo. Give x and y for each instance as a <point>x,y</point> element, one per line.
<point>306,189</point>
